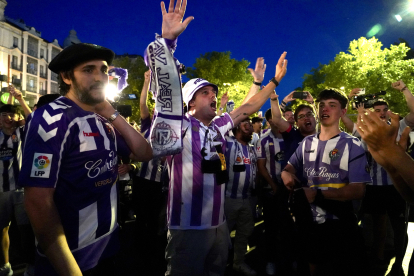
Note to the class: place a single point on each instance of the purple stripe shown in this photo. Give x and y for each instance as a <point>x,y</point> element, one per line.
<point>247,173</point>
<point>197,196</point>
<point>374,171</point>
<point>154,169</point>
<point>177,187</point>
<point>272,157</point>
<point>216,204</point>
<point>144,167</point>
<point>171,117</point>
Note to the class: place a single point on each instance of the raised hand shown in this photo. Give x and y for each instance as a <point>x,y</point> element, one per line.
<point>147,76</point>
<point>281,67</point>
<point>289,97</point>
<point>361,108</point>
<point>259,70</point>
<point>15,93</point>
<point>309,97</point>
<point>224,99</point>
<point>354,92</point>
<point>399,85</point>
<point>172,21</point>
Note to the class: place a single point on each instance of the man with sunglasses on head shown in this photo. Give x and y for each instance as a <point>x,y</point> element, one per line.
<point>11,194</point>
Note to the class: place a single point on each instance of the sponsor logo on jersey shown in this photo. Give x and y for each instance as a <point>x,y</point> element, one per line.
<point>280,156</point>
<point>238,159</point>
<point>14,138</point>
<point>89,134</point>
<point>321,173</point>
<point>41,165</point>
<point>99,167</point>
<point>334,154</point>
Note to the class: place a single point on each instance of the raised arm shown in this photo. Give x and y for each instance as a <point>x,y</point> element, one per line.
<point>258,76</point>
<point>400,85</point>
<point>256,102</point>
<point>223,103</point>
<point>143,107</point>
<point>277,117</point>
<point>140,148</point>
<point>172,21</point>
<point>18,95</point>
<point>391,156</point>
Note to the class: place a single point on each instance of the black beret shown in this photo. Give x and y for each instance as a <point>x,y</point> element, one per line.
<point>76,54</point>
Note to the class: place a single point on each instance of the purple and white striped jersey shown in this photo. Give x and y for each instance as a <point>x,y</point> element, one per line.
<point>76,152</point>
<point>379,175</point>
<point>330,164</point>
<point>151,170</point>
<point>272,149</point>
<point>195,200</point>
<point>240,183</point>
<point>10,159</point>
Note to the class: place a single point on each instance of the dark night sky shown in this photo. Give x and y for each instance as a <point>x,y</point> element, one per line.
<point>311,31</point>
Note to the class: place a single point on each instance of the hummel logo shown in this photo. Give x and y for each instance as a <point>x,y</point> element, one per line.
<point>310,151</point>
<point>88,134</point>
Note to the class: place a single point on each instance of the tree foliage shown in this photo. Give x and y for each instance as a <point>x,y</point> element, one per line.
<point>366,65</point>
<point>227,73</point>
<point>136,69</point>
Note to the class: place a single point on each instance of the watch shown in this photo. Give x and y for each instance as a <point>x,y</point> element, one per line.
<point>274,81</point>
<point>220,108</point>
<point>113,116</point>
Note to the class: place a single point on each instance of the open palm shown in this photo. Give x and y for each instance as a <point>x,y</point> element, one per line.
<point>172,25</point>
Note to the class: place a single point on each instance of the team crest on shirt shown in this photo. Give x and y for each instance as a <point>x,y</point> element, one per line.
<point>41,165</point>
<point>163,136</point>
<point>334,154</point>
<point>14,138</point>
<point>110,131</point>
<point>238,159</point>
<point>280,156</point>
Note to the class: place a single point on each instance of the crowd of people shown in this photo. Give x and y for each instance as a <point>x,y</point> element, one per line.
<point>200,174</point>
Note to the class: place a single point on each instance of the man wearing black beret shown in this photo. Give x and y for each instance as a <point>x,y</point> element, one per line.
<point>70,167</point>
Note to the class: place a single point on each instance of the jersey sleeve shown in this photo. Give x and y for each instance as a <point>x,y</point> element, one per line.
<point>224,123</point>
<point>296,160</point>
<point>44,145</point>
<point>358,164</point>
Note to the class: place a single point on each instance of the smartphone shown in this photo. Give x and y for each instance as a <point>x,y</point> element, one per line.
<point>362,91</point>
<point>300,95</point>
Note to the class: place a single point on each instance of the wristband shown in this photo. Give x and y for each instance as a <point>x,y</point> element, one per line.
<point>220,108</point>
<point>405,87</point>
<point>113,116</point>
<point>274,81</point>
<point>257,83</point>
<point>283,103</point>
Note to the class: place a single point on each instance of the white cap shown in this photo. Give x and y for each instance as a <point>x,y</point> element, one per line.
<point>193,86</point>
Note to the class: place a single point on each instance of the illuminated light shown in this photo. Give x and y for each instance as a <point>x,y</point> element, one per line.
<point>374,30</point>
<point>111,91</point>
<point>342,88</point>
<point>398,17</point>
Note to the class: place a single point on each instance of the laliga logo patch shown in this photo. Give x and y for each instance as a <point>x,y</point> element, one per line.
<point>14,138</point>
<point>164,136</point>
<point>41,165</point>
<point>334,154</point>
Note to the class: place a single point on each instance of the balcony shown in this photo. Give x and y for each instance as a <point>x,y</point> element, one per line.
<point>32,71</point>
<point>31,88</point>
<point>43,75</point>
<point>32,53</point>
<point>42,92</point>
<point>15,66</point>
<point>54,77</point>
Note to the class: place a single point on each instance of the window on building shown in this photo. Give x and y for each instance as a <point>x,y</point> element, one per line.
<point>31,66</point>
<point>32,46</point>
<point>42,68</point>
<point>15,63</point>
<point>42,53</point>
<point>15,42</point>
<point>31,84</point>
<point>55,52</point>
<point>54,88</point>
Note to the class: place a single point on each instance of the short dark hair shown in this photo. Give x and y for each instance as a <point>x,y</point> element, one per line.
<point>268,114</point>
<point>333,94</point>
<point>379,102</point>
<point>257,120</point>
<point>299,108</point>
<point>63,87</point>
<point>10,108</point>
<point>46,99</point>
<point>287,110</point>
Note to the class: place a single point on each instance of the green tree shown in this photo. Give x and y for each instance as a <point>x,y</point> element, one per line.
<point>366,65</point>
<point>136,68</point>
<point>227,73</point>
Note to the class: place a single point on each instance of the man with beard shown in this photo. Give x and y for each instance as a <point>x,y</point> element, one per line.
<point>241,160</point>
<point>289,116</point>
<point>70,167</point>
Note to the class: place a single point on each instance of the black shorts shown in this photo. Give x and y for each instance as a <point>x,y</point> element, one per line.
<point>380,200</point>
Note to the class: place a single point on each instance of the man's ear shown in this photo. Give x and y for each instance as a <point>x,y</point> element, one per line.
<point>191,103</point>
<point>343,111</point>
<point>65,79</point>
